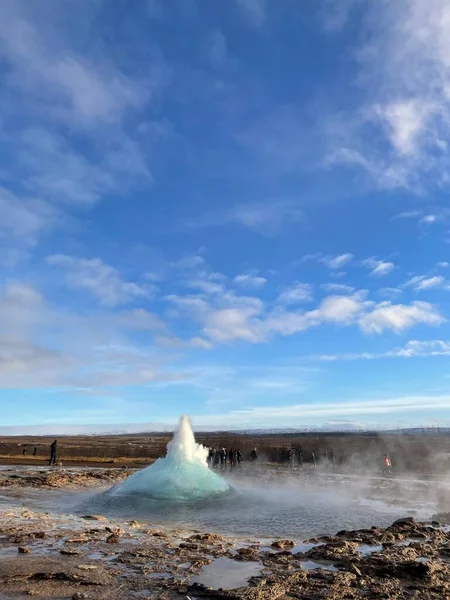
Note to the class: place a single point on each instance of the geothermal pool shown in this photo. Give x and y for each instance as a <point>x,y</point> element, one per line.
<point>181,491</point>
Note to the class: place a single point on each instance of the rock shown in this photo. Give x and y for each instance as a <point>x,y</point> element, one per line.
<point>87,567</point>
<point>24,550</point>
<point>39,535</point>
<point>282,544</point>
<point>189,546</point>
<point>112,539</point>
<point>407,570</point>
<point>442,517</point>
<point>354,569</point>
<point>134,524</point>
<point>403,522</point>
<point>79,596</point>
<point>94,517</point>
<point>70,552</point>
<point>207,538</point>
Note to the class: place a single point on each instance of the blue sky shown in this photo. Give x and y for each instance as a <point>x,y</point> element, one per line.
<point>234,209</point>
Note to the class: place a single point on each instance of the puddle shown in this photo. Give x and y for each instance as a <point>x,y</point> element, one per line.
<point>227,574</point>
<point>366,549</point>
<point>9,553</point>
<point>101,556</point>
<point>423,559</point>
<point>13,551</point>
<point>309,565</point>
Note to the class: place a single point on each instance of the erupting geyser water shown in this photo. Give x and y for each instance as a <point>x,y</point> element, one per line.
<point>182,475</point>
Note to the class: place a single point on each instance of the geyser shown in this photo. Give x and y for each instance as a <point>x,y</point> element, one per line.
<point>183,475</point>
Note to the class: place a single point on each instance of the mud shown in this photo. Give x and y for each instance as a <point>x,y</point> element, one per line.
<point>47,555</point>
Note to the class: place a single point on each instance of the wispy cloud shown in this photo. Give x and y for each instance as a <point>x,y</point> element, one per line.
<point>266,218</point>
<point>378,268</point>
<point>398,317</point>
<point>424,282</point>
<point>251,280</point>
<point>404,70</point>
<point>413,348</point>
<point>338,288</point>
<point>296,293</point>
<point>99,279</point>
<point>43,346</point>
<point>332,262</point>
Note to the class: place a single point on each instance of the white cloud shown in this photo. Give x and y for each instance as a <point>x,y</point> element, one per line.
<point>332,262</point>
<point>401,131</point>
<point>295,414</point>
<point>428,219</point>
<point>338,288</point>
<point>296,294</point>
<point>41,346</point>
<point>337,262</point>
<point>411,349</point>
<point>250,280</point>
<point>422,282</point>
<point>79,89</point>
<point>378,268</point>
<point>398,317</point>
<point>409,214</point>
<point>443,265</point>
<point>99,279</point>
<point>405,121</point>
<point>25,219</point>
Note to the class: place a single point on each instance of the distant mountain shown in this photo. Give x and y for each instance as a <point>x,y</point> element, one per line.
<point>149,428</point>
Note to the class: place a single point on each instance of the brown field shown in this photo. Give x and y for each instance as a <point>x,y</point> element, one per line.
<point>409,453</point>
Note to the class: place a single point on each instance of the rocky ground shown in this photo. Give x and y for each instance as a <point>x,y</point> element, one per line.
<point>46,555</point>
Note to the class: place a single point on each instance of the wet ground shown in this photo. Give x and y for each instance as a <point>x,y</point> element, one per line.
<point>49,550</point>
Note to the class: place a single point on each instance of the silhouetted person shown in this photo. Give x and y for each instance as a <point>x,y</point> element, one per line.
<point>238,457</point>
<point>35,451</point>
<point>387,463</point>
<point>300,460</point>
<point>253,455</point>
<point>291,458</point>
<point>313,456</point>
<point>230,456</point>
<point>53,453</point>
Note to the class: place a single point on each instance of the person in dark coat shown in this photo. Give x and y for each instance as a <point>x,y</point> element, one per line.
<point>52,460</point>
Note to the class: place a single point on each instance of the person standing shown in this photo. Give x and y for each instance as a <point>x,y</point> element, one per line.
<point>53,453</point>
<point>35,451</point>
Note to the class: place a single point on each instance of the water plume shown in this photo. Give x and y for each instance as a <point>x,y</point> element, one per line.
<point>182,475</point>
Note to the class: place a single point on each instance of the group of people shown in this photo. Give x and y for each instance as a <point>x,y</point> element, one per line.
<point>53,447</point>
<point>219,457</point>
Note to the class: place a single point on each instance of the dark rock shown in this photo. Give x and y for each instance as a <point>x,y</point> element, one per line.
<point>404,522</point>
<point>112,539</point>
<point>206,538</point>
<point>283,544</point>
<point>406,570</point>
<point>24,550</point>
<point>94,517</point>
